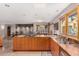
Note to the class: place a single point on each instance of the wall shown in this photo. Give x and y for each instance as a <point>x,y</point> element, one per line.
<point>3,32</point>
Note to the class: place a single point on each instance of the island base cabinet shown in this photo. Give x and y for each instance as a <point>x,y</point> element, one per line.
<point>31,43</point>
<point>54,48</point>
<point>0,41</point>
<point>43,44</point>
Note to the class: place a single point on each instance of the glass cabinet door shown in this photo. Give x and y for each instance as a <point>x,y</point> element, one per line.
<point>72,24</point>
<point>63,25</point>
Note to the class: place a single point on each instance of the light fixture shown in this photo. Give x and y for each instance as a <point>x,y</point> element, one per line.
<point>2,27</point>
<point>39,20</point>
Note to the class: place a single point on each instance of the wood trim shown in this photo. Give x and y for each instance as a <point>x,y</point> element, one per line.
<point>66,24</point>
<point>78,21</point>
<point>66,19</point>
<point>71,11</point>
<point>0,41</point>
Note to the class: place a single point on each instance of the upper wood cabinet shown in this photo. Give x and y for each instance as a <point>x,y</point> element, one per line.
<point>73,23</point>
<point>63,25</point>
<point>70,23</point>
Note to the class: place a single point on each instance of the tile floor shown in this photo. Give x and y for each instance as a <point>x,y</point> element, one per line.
<point>6,50</point>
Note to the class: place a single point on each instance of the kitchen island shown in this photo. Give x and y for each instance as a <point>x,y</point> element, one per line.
<point>29,43</point>
<point>44,43</point>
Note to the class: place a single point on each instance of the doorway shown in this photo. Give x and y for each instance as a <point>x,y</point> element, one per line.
<point>8,31</point>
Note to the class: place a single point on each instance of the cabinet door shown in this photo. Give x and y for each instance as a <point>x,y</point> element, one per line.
<point>16,44</point>
<point>39,44</point>
<point>35,44</point>
<point>27,44</point>
<point>43,43</point>
<point>54,48</point>
<point>47,44</point>
<point>32,44</point>
<point>22,43</point>
<point>0,41</point>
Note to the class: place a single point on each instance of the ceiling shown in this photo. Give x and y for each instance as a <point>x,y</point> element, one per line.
<point>22,13</point>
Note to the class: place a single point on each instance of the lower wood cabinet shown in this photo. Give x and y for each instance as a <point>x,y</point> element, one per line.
<point>63,52</point>
<point>43,43</point>
<point>0,41</point>
<point>54,48</point>
<point>31,43</point>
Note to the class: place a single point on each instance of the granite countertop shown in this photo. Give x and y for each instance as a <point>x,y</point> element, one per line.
<point>72,37</point>
<point>71,49</point>
<point>20,36</point>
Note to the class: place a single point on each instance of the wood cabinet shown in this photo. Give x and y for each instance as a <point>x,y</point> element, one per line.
<point>54,48</point>
<point>63,52</point>
<point>31,43</point>
<point>69,23</point>
<point>43,43</point>
<point>63,25</point>
<point>0,41</point>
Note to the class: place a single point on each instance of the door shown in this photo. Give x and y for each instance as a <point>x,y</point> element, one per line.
<point>8,31</point>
